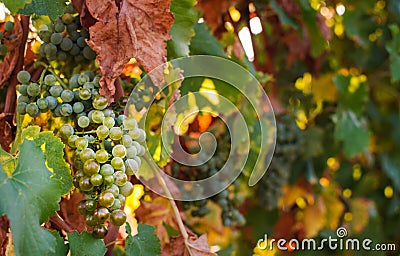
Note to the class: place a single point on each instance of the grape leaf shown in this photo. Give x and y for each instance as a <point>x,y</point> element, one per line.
<point>15,5</point>
<point>139,30</point>
<point>51,8</point>
<point>144,243</point>
<point>352,92</point>
<point>204,42</point>
<point>7,161</point>
<point>393,47</point>
<point>84,244</point>
<point>182,30</point>
<point>61,248</point>
<point>32,196</point>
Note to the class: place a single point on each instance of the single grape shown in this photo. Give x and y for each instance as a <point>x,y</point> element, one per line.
<point>106,199</point>
<point>118,217</point>
<point>75,50</point>
<point>88,53</point>
<point>33,89</point>
<point>3,50</point>
<point>127,189</point>
<point>66,130</point>
<point>117,163</point>
<point>141,151</point>
<point>108,180</point>
<point>73,82</point>
<point>91,221</point>
<point>50,80</point>
<point>130,123</point>
<point>67,96</point>
<point>96,179</point>
<point>23,89</point>
<point>115,133</point>
<point>56,90</point>
<point>83,121</point>
<point>116,205</point>
<point>90,205</point>
<point>62,56</point>
<point>120,178</point>
<point>82,208</point>
<point>81,42</point>
<point>102,131</point>
<point>81,143</point>
<point>87,154</point>
<point>84,184</point>
<point>23,98</point>
<point>91,167</point>
<point>56,38</point>
<point>107,170</point>
<point>131,166</point>
<point>120,119</point>
<point>66,109</point>
<point>121,198</point>
<point>59,26</point>
<point>131,152</point>
<point>52,102</point>
<point>109,122</point>
<point>67,18</point>
<point>100,231</point>
<point>9,26</point>
<point>83,78</point>
<point>100,102</point>
<point>114,189</point>
<point>32,110</point>
<point>78,107</point>
<point>50,49</point>
<point>88,85</point>
<point>71,140</point>
<point>21,108</point>
<point>85,94</point>
<point>101,214</point>
<point>101,155</point>
<point>42,103</point>
<point>97,116</point>
<point>23,77</point>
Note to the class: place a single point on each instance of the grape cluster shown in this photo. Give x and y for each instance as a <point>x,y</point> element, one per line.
<point>107,152</point>
<point>142,93</point>
<point>80,97</point>
<point>226,199</point>
<point>6,35</point>
<point>65,39</point>
<point>289,148</point>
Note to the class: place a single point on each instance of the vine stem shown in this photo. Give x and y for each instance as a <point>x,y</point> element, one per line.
<point>179,220</point>
<point>47,67</point>
<point>58,221</point>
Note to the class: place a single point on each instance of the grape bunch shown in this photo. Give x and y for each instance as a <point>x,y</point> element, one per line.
<point>289,148</point>
<point>226,199</point>
<point>141,93</point>
<point>80,97</point>
<point>6,35</point>
<point>65,39</point>
<point>107,152</point>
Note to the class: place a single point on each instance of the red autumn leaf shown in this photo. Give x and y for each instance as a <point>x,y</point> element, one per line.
<point>198,246</point>
<point>134,29</point>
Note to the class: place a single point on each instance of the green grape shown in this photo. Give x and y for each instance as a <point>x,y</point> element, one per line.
<point>33,89</point>
<point>106,199</point>
<point>59,26</point>
<point>90,205</point>
<point>119,151</point>
<point>75,50</point>
<point>115,133</point>
<point>96,179</point>
<point>131,166</point>
<point>109,122</point>
<point>67,96</point>
<point>21,108</point>
<point>97,116</point>
<point>50,80</point>
<point>88,85</point>
<point>96,79</point>
<point>120,178</point>
<point>22,89</point>
<point>131,152</point>
<point>84,184</point>
<point>56,38</point>
<point>79,58</point>
<point>83,78</point>
<point>56,90</point>
<point>81,42</point>
<point>89,73</point>
<point>61,56</point>
<point>50,49</point>
<point>127,189</point>
<point>78,107</point>
<point>102,131</point>
<point>87,154</point>
<point>107,170</point>
<point>117,163</point>
<point>66,109</point>
<point>32,109</point>
<point>101,156</point>
<point>114,189</point>
<point>82,208</point>
<point>142,136</point>
<point>81,143</point>
<point>71,140</point>
<point>3,50</point>
<point>100,102</point>
<point>118,217</point>
<point>121,198</point>
<point>120,119</point>
<point>23,98</point>
<point>85,94</point>
<point>126,140</point>
<point>90,221</point>
<point>66,130</point>
<point>23,77</point>
<point>116,205</point>
<point>83,121</point>
<point>130,123</point>
<point>9,26</point>
<point>100,231</point>
<point>67,18</point>
<point>52,102</point>
<point>101,214</point>
<point>73,82</point>
<point>88,53</point>
<point>42,103</point>
<point>141,151</point>
<point>91,167</point>
<point>108,180</point>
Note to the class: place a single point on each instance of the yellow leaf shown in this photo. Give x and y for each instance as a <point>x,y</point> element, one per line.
<point>313,218</point>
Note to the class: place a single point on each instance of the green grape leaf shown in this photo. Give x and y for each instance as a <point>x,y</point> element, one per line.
<point>144,243</point>
<point>353,92</point>
<point>352,131</point>
<point>204,42</point>
<point>182,28</point>
<point>7,161</point>
<point>84,244</point>
<point>15,5</point>
<point>51,8</point>
<point>390,165</point>
<point>283,17</point>
<point>393,47</point>
<point>33,195</point>
<point>61,248</point>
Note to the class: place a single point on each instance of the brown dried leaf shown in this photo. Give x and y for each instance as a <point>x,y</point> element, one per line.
<point>70,214</point>
<point>198,246</point>
<point>137,29</point>
<point>213,11</point>
<point>10,60</point>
